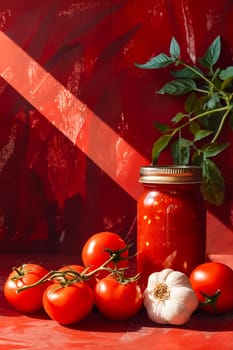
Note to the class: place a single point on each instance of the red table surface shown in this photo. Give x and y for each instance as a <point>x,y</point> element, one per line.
<point>37,331</point>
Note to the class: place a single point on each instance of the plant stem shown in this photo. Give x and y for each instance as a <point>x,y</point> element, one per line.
<point>203,77</point>
<point>201,115</point>
<point>196,71</point>
<point>115,256</point>
<point>220,125</point>
<point>212,111</point>
<point>44,279</point>
<point>202,91</point>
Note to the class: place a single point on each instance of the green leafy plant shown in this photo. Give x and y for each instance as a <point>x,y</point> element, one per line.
<point>194,136</point>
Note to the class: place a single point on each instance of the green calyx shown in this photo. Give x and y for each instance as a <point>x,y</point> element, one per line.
<point>210,299</point>
<point>20,272</point>
<point>116,255</point>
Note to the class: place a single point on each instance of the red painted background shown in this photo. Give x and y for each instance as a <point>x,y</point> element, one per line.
<point>76,115</point>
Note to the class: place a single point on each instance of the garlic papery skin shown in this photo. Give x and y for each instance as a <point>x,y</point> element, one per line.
<point>169,297</point>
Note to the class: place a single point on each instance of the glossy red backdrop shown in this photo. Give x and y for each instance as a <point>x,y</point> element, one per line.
<point>76,115</point>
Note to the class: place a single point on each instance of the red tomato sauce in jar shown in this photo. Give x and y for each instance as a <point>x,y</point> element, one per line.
<point>171,220</point>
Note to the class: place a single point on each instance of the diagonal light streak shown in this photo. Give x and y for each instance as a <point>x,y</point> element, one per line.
<point>110,152</point>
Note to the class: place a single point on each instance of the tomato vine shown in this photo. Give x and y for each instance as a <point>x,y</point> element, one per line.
<point>70,276</point>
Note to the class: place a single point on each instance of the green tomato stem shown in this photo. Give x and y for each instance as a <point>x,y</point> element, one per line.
<point>210,299</point>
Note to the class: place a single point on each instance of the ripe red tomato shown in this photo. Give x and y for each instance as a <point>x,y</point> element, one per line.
<point>213,284</point>
<point>68,304</point>
<point>29,300</point>
<point>94,252</point>
<point>117,301</point>
<point>78,268</point>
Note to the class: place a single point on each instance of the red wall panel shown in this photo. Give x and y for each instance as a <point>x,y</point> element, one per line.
<point>77,116</point>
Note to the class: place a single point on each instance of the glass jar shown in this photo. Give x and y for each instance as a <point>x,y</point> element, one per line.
<point>171,220</point>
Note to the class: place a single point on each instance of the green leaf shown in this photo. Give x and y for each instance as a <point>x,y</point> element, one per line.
<point>178,87</point>
<point>194,127</point>
<point>178,117</point>
<point>201,134</point>
<point>161,127</point>
<point>211,122</point>
<point>174,48</point>
<point>197,158</point>
<point>190,102</point>
<point>159,145</point>
<point>185,73</point>
<point>226,83</point>
<point>180,150</point>
<point>226,73</point>
<point>198,106</point>
<point>212,54</point>
<point>212,102</point>
<point>213,186</point>
<point>160,61</point>
<point>227,76</point>
<point>214,148</point>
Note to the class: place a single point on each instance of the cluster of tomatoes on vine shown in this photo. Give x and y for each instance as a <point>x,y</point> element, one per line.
<point>69,294</point>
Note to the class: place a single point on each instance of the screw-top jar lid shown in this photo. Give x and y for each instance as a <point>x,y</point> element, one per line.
<point>179,174</point>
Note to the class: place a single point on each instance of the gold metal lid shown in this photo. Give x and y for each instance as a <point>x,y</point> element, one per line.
<point>179,174</point>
